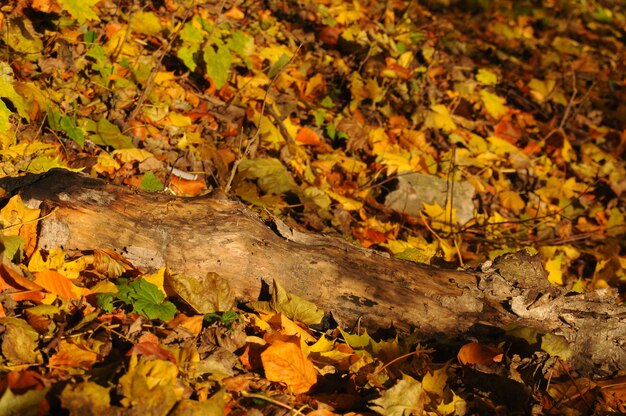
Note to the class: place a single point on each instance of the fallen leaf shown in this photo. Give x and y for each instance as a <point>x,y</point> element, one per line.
<point>286,363</point>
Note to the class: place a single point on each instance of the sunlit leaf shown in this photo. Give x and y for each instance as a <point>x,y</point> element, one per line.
<point>486,77</point>
<point>294,307</point>
<point>54,282</point>
<point>146,23</point>
<point>105,133</point>
<point>554,267</point>
<point>494,105</point>
<point>218,64</point>
<point>476,353</point>
<point>150,182</point>
<point>286,363</point>
<point>81,10</point>
<point>439,118</point>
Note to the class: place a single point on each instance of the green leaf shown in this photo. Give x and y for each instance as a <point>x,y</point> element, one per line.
<point>105,133</point>
<point>278,65</point>
<point>89,37</point>
<point>192,34</point>
<point>13,246</point>
<point>241,44</point>
<point>187,54</point>
<point>105,301</point>
<point>225,318</point>
<point>150,182</point>
<point>23,404</point>
<point>81,10</point>
<point>218,64</point>
<point>163,311</point>
<point>556,345</point>
<point>147,299</point>
<point>72,130</point>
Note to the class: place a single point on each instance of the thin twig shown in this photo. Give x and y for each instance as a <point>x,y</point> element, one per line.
<point>257,133</point>
<point>156,67</point>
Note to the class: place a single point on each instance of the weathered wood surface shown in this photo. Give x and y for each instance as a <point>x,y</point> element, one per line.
<point>200,235</point>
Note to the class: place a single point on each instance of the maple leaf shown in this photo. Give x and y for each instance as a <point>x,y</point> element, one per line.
<point>286,363</point>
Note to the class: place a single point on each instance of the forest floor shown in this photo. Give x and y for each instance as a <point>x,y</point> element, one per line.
<point>441,132</point>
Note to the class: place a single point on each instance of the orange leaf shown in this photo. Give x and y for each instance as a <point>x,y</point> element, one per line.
<point>192,323</point>
<point>475,353</point>
<point>251,356</point>
<point>308,136</point>
<point>235,13</point>
<point>73,355</point>
<point>286,363</point>
<point>152,350</point>
<point>508,131</point>
<point>55,283</point>
<point>182,187</point>
<point>13,277</point>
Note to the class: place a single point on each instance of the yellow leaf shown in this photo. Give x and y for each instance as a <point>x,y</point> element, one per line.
<point>323,344</point>
<point>439,118</point>
<point>288,327</point>
<point>500,146</point>
<point>148,380</point>
<point>286,363</point>
<point>511,200</point>
<point>146,23</point>
<point>486,77</point>
<point>494,105</point>
<point>163,77</point>
<point>436,381</point>
<point>131,155</point>
<point>433,210</point>
<point>54,260</point>
<point>72,355</point>
<point>179,120</point>
<point>554,269</point>
<point>347,203</point>
<point>25,149</point>
<point>157,278</point>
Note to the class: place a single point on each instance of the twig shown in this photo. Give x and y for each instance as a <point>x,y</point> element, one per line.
<point>273,401</point>
<point>156,67</point>
<point>257,133</point>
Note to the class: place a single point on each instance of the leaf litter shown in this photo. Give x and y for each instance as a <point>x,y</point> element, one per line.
<point>316,112</point>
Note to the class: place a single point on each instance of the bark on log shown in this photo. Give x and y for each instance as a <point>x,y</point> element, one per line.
<point>201,235</point>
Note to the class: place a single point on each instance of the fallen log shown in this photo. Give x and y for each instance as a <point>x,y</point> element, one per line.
<point>195,236</point>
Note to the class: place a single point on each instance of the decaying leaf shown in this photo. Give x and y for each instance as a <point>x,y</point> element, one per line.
<point>211,293</point>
